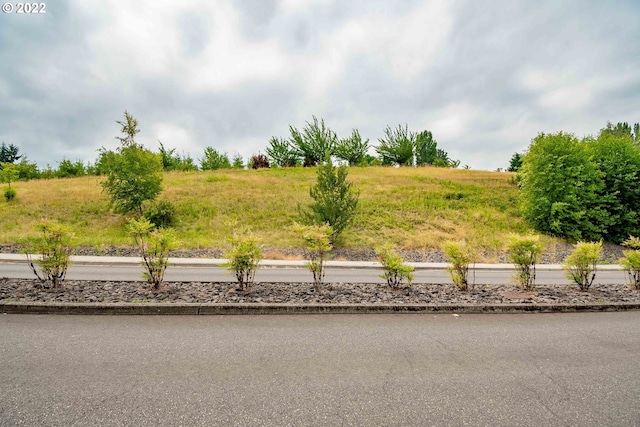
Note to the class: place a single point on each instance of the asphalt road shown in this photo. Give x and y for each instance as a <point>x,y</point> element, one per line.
<point>375,370</point>
<point>348,275</point>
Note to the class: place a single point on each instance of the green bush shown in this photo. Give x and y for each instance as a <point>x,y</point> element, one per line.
<point>243,258</point>
<point>10,194</point>
<point>631,261</point>
<point>581,264</point>
<point>460,256</point>
<point>154,246</point>
<point>161,213</point>
<point>317,242</point>
<point>561,188</point>
<point>395,270</point>
<point>524,253</point>
<point>54,247</point>
<point>335,201</point>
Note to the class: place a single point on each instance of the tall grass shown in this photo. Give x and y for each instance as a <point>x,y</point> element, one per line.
<point>412,208</point>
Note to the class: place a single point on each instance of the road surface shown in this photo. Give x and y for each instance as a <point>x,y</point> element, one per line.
<point>341,370</point>
<point>347,275</point>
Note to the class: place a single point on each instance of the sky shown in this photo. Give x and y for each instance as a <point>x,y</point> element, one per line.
<point>485,77</point>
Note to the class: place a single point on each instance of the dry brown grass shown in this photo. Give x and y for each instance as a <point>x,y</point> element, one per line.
<point>410,207</point>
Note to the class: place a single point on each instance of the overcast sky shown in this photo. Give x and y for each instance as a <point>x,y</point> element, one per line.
<point>484,76</point>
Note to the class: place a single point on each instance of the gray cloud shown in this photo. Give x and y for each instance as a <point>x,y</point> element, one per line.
<point>484,77</point>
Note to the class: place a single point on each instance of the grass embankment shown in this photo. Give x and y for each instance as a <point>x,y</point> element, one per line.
<point>413,208</point>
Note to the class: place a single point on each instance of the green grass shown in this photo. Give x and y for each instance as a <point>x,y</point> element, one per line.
<point>412,208</point>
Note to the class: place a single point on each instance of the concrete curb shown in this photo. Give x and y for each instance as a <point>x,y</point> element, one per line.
<point>231,309</point>
<point>217,262</point>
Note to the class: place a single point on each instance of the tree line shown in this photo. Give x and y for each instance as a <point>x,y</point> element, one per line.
<point>305,147</point>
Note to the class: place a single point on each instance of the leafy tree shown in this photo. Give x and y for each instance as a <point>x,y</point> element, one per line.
<point>134,174</point>
<point>426,148</point>
<point>396,147</point>
<point>352,149</point>
<point>9,153</point>
<point>515,162</point>
<point>129,129</point>
<point>27,170</point>
<point>8,173</point>
<point>618,160</point>
<point>282,153</point>
<point>335,201</point>
<point>214,160</point>
<point>314,141</point>
<point>562,190</point>
<point>623,129</point>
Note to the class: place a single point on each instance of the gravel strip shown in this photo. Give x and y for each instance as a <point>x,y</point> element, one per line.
<point>21,290</point>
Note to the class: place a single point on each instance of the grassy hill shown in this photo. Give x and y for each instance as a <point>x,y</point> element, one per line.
<point>413,208</point>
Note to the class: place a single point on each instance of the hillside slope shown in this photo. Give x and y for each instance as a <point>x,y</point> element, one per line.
<point>413,208</point>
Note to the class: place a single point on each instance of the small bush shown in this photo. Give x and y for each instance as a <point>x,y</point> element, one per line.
<point>581,264</point>
<point>524,253</point>
<point>461,256</point>
<point>10,194</point>
<point>243,258</point>
<point>395,271</point>
<point>317,242</point>
<point>162,214</point>
<point>54,247</point>
<point>631,261</point>
<point>259,161</point>
<point>154,247</point>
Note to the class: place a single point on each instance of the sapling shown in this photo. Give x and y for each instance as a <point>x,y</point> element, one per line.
<point>395,270</point>
<point>581,264</point>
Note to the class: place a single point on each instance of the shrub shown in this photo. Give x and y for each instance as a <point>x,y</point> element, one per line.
<point>631,261</point>
<point>524,253</point>
<point>154,247</point>
<point>581,264</point>
<point>243,258</point>
<point>259,161</point>
<point>335,201</point>
<point>461,256</point>
<point>54,247</point>
<point>161,213</point>
<point>395,271</point>
<point>9,194</point>
<point>317,242</point>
